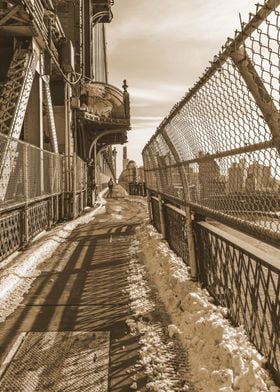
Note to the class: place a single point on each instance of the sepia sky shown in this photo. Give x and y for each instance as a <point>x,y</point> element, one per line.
<point>162,47</point>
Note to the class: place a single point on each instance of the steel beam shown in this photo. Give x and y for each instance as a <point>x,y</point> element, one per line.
<point>258,90</point>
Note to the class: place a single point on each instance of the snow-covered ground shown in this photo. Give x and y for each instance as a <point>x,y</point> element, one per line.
<point>157,355</point>
<point>19,271</point>
<point>221,357</point>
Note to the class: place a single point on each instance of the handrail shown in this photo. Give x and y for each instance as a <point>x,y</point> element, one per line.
<point>246,242</point>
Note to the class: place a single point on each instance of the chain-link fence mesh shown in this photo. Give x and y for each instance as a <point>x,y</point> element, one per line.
<point>218,150</point>
<point>27,172</point>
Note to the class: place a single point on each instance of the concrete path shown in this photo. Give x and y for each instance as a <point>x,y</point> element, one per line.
<point>83,288</point>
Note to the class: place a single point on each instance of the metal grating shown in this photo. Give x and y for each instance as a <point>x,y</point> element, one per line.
<point>10,234</point>
<point>175,231</point>
<point>155,214</point>
<point>247,285</point>
<point>59,362</point>
<point>38,217</point>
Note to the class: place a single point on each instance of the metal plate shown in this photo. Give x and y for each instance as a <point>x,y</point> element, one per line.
<point>59,362</point>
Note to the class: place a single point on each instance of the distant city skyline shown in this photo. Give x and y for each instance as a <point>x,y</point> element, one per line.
<point>162,48</point>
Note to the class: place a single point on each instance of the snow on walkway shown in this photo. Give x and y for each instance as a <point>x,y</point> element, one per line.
<point>158,354</point>
<point>18,273</point>
<point>221,357</point>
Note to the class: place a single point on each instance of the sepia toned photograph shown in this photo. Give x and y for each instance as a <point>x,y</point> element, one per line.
<point>139,196</point>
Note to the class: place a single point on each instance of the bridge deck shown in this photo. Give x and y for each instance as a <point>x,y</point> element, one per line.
<point>83,288</point>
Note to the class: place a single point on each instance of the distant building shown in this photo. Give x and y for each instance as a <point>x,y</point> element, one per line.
<point>253,178</point>
<point>141,175</point>
<point>237,174</point>
<point>125,160</point>
<point>129,172</point>
<point>209,176</point>
<point>259,178</point>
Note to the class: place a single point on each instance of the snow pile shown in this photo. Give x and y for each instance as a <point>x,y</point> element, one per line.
<point>221,357</point>
<point>156,355</point>
<point>16,278</point>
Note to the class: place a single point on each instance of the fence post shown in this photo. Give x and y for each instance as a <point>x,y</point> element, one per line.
<point>26,195</point>
<point>74,171</point>
<point>82,185</point>
<point>149,200</point>
<point>58,180</point>
<point>161,215</point>
<point>86,185</point>
<point>191,245</point>
<point>51,212</point>
<point>62,184</point>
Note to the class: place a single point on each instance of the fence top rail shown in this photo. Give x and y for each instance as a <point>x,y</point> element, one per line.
<point>269,255</point>
<point>176,209</point>
<point>16,205</point>
<point>22,142</point>
<point>232,44</point>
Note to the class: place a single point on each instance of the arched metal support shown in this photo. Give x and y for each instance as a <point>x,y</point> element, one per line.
<point>99,136</point>
<point>188,215</point>
<point>94,143</point>
<point>178,162</point>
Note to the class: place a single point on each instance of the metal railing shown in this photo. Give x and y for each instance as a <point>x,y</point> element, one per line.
<point>233,268</point>
<point>246,280</point>
<point>136,188</point>
<point>215,161</point>
<point>37,189</point>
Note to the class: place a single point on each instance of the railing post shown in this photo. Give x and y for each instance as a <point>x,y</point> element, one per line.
<point>86,185</point>
<point>58,179</point>
<point>26,195</point>
<point>161,215</point>
<point>200,250</point>
<point>74,172</point>
<point>63,186</point>
<point>149,200</point>
<point>52,188</point>
<point>191,244</point>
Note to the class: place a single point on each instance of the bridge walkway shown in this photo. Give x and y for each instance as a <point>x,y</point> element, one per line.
<point>83,288</point>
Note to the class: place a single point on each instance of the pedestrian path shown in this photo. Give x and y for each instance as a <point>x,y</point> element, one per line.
<point>82,316</point>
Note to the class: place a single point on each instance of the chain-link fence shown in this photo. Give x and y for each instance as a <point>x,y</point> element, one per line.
<point>37,189</point>
<point>27,173</point>
<point>218,150</point>
<point>217,155</point>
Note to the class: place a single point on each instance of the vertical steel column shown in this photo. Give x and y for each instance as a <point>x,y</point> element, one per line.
<point>41,130</point>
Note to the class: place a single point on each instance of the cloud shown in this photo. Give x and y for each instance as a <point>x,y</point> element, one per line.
<point>180,20</point>
<point>162,48</point>
<point>146,118</point>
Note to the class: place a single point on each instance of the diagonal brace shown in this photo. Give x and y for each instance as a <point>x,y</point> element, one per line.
<point>258,90</point>
<point>10,14</point>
